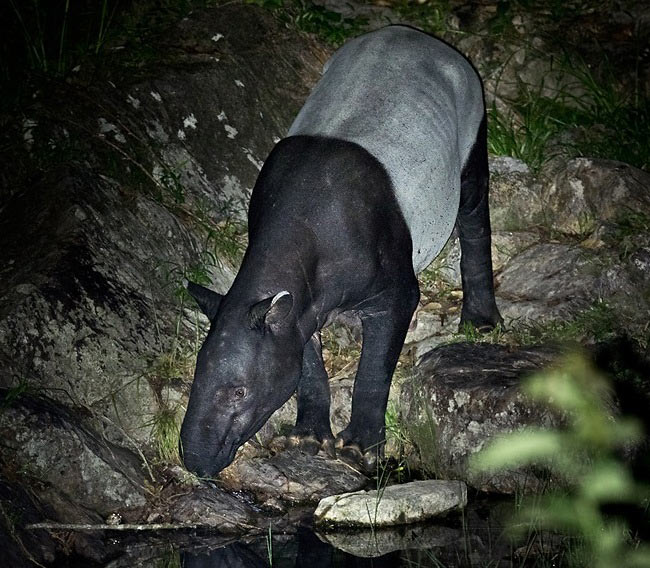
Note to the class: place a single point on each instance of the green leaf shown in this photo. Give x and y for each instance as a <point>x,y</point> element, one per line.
<point>519,448</point>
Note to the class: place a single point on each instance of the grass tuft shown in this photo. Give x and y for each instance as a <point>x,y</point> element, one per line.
<point>588,116</point>
<point>165,431</point>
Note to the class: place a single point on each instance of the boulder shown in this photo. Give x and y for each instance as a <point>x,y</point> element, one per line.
<point>462,395</point>
<point>127,187</point>
<point>403,504</point>
<point>558,281</point>
<point>214,508</point>
<point>79,475</point>
<point>516,201</point>
<point>588,190</point>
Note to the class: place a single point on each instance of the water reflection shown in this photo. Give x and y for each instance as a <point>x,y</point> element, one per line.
<point>233,556</point>
<point>376,549</point>
<point>473,539</point>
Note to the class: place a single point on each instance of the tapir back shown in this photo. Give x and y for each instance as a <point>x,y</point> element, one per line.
<point>416,105</point>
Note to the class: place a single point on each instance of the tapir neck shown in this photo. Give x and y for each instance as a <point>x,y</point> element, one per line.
<point>272,265</point>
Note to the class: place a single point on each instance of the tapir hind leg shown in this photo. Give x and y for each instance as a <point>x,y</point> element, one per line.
<point>384,331</point>
<point>479,305</point>
<point>312,431</point>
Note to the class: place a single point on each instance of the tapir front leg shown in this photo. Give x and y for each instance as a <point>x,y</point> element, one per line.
<point>312,431</point>
<point>479,305</point>
<point>383,336</point>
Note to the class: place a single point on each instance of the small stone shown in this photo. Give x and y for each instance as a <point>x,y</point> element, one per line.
<point>395,505</point>
<point>114,519</point>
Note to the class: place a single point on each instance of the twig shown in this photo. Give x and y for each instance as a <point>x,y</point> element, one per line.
<point>105,527</point>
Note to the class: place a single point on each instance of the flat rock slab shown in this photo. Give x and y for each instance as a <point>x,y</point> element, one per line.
<point>394,505</point>
<point>291,476</point>
<point>463,395</point>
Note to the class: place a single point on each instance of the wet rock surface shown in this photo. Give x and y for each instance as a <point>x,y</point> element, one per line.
<point>291,476</point>
<point>210,506</point>
<point>408,503</point>
<point>461,396</point>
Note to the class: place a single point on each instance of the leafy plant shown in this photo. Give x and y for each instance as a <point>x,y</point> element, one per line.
<point>596,323</point>
<point>46,32</point>
<point>430,15</point>
<point>313,18</point>
<point>585,456</point>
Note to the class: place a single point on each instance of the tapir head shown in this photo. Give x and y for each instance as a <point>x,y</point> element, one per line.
<point>248,366</point>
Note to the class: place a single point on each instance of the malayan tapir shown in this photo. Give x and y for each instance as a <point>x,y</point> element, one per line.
<point>388,154</point>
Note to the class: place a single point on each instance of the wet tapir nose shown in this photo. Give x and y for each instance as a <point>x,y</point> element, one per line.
<point>196,463</point>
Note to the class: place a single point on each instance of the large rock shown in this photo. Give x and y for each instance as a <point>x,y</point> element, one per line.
<point>128,187</point>
<point>78,474</point>
<point>557,281</point>
<point>212,507</point>
<point>516,201</point>
<point>463,395</point>
<point>588,191</point>
<point>412,502</point>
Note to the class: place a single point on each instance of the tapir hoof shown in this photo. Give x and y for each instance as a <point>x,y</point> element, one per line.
<point>352,455</point>
<point>482,325</point>
<point>278,444</point>
<point>307,444</point>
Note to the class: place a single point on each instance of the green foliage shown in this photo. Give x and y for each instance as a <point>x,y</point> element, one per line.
<point>165,432</point>
<point>398,445</point>
<point>12,394</point>
<point>470,334</point>
<point>423,436</point>
<point>305,16</point>
<point>585,455</point>
<point>596,323</point>
<point>626,230</point>
<point>52,32</point>
<point>430,15</point>
<point>588,116</point>
<point>523,131</point>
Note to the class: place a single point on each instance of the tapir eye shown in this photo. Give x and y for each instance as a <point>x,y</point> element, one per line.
<point>240,392</point>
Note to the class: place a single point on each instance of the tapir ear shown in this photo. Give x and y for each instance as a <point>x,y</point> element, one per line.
<point>270,311</point>
<point>207,300</point>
